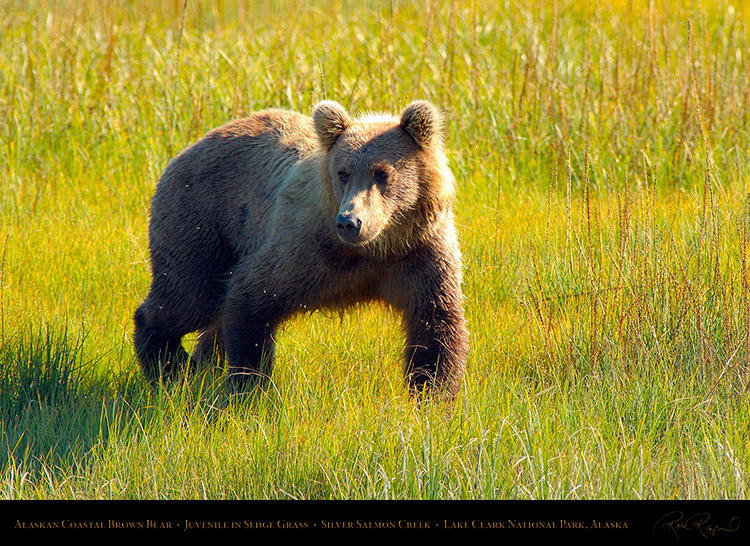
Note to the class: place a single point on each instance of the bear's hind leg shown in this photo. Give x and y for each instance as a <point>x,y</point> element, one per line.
<point>160,352</point>
<point>209,348</point>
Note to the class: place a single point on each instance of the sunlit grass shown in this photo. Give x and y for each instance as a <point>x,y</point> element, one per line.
<point>601,154</point>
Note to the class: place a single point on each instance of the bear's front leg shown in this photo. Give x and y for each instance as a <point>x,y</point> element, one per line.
<point>436,349</point>
<point>250,323</point>
<point>437,339</point>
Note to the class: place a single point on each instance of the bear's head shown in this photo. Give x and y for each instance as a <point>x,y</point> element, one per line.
<point>387,177</point>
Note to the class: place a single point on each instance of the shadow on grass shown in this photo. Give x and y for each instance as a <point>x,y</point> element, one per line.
<point>58,409</point>
<point>50,404</point>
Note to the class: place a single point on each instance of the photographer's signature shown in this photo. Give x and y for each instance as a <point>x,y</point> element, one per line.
<point>677,524</point>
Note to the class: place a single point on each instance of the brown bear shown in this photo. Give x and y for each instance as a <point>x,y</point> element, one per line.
<point>280,213</point>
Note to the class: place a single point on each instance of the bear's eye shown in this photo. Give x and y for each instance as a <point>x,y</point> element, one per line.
<point>380,175</point>
<point>343,176</point>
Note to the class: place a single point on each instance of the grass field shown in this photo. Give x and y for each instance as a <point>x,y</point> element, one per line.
<point>602,156</point>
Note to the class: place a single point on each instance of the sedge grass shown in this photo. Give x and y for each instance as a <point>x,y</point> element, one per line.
<point>601,153</point>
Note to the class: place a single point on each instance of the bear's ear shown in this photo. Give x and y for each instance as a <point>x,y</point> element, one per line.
<point>330,121</point>
<point>422,121</point>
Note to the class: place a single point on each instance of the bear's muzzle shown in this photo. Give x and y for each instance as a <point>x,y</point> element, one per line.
<point>348,227</point>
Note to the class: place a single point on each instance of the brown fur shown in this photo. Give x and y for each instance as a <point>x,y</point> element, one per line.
<point>280,213</point>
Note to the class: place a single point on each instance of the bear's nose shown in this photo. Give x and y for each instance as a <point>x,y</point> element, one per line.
<point>348,226</point>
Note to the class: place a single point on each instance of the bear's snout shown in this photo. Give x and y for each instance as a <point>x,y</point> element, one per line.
<point>348,227</point>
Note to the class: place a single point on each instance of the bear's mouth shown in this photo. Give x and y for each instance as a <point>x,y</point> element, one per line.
<point>357,241</point>
<point>355,237</point>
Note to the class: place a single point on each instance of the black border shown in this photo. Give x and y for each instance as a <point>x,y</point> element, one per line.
<point>657,521</point>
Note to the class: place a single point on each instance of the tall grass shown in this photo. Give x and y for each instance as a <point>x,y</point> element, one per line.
<point>601,153</point>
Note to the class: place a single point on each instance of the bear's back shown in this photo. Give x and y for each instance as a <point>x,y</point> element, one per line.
<point>239,165</point>
<point>267,144</point>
